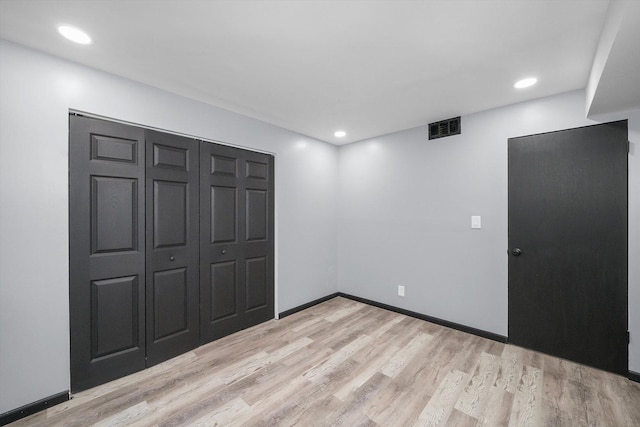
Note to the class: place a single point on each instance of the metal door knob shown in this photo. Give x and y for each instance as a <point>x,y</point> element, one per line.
<point>224,251</point>
<point>516,252</point>
<point>172,258</point>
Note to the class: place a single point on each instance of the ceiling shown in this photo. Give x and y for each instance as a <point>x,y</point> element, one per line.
<point>367,67</point>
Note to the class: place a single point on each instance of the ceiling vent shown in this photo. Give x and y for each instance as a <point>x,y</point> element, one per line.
<point>444,128</point>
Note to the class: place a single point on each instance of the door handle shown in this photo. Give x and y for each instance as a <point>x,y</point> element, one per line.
<point>516,252</point>
<point>224,251</point>
<point>172,258</point>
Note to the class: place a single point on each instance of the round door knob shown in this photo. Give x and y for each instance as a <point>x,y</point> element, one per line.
<point>224,251</point>
<point>172,258</point>
<point>516,252</point>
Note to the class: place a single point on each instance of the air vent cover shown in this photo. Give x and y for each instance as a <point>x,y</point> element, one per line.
<point>445,128</point>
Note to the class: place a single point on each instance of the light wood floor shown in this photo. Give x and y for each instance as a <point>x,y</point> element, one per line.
<point>343,363</point>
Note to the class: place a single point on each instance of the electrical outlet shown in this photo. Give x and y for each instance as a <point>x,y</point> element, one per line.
<point>400,290</point>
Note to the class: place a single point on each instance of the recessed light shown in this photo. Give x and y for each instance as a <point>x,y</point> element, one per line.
<point>340,133</point>
<point>529,81</point>
<point>74,34</point>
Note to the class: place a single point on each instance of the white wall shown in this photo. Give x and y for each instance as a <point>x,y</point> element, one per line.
<point>36,93</point>
<point>406,205</point>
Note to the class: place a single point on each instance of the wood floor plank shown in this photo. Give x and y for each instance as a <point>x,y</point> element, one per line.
<point>527,402</point>
<point>352,411</point>
<point>460,419</point>
<point>386,326</point>
<point>498,410</point>
<point>337,358</point>
<point>412,395</point>
<point>344,363</point>
<point>510,370</point>
<point>439,408</point>
<point>291,408</point>
<point>366,370</point>
<point>475,396</point>
<point>128,416</point>
<point>399,361</point>
<point>222,415</point>
<point>346,310</point>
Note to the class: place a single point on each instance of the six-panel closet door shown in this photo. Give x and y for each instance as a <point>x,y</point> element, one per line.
<point>172,234</point>
<point>236,243</point>
<point>106,251</point>
<point>171,246</point>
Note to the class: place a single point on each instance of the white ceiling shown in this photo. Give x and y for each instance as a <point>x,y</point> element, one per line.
<point>368,67</point>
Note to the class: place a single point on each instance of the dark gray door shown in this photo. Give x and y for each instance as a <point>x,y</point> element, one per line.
<point>106,251</point>
<point>172,294</point>
<point>568,244</point>
<point>236,246</point>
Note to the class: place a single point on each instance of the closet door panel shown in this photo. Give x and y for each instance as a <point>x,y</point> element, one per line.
<point>223,291</point>
<point>106,251</point>
<point>223,212</point>
<point>256,283</point>
<point>170,303</point>
<point>172,295</point>
<point>114,316</point>
<point>236,258</point>
<point>221,258</point>
<point>259,236</point>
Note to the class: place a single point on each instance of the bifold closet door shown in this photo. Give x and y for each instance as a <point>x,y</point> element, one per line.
<point>236,244</point>
<point>171,245</point>
<point>106,251</point>
<point>172,294</point>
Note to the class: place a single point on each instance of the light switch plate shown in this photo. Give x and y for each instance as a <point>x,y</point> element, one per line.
<point>476,222</point>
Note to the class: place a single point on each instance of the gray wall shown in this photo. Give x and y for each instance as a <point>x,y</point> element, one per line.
<point>37,92</point>
<point>406,205</point>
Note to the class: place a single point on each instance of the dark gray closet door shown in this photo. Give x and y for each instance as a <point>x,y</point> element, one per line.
<point>236,246</point>
<point>172,246</point>
<point>568,242</point>
<point>106,251</point>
